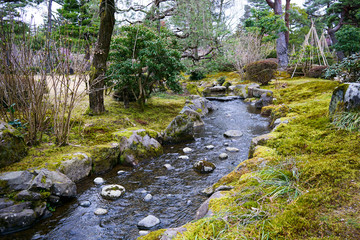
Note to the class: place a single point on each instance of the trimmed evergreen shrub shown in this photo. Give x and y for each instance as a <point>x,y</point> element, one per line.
<point>197,75</point>
<point>261,71</point>
<point>317,72</point>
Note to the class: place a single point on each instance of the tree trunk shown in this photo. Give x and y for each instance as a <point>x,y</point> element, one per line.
<point>101,52</point>
<point>281,46</point>
<point>157,5</point>
<point>340,54</point>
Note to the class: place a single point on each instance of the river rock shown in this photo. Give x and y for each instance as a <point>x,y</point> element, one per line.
<point>204,166</point>
<point>223,156</point>
<point>105,157</point>
<point>259,140</point>
<point>5,202</point>
<point>168,166</point>
<point>200,105</point>
<point>203,210</point>
<point>26,195</point>
<point>254,92</point>
<point>180,129</point>
<point>143,233</point>
<point>265,100</point>
<point>171,233</point>
<point>232,149</point>
<point>148,222</point>
<point>241,91</point>
<point>100,211</point>
<point>85,204</point>
<point>209,147</point>
<point>233,133</point>
<point>148,197</point>
<point>16,217</point>
<point>183,157</point>
<point>18,180</point>
<point>346,97</point>
<point>120,172</point>
<point>76,166</point>
<point>12,145</point>
<point>218,89</point>
<point>112,191</point>
<point>187,150</point>
<point>99,180</point>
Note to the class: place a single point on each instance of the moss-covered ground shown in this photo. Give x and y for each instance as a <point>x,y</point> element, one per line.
<point>89,131</point>
<point>302,184</point>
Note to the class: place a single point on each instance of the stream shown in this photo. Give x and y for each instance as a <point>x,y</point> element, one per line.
<point>176,193</point>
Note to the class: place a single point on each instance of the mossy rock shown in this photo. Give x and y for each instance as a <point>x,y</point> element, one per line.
<point>12,145</point>
<point>105,157</point>
<point>346,97</point>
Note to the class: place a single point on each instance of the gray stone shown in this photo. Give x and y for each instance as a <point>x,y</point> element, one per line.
<point>148,222</point>
<point>265,100</point>
<point>259,140</point>
<point>143,233</point>
<point>12,145</point>
<point>241,91</point>
<point>148,197</point>
<point>223,156</point>
<point>203,210</point>
<point>200,105</point>
<point>346,97</point>
<point>16,181</point>
<point>54,199</point>
<point>5,202</point>
<point>232,149</point>
<point>112,191</point>
<point>257,92</point>
<point>18,220</point>
<point>85,203</point>
<point>27,196</point>
<point>183,157</point>
<point>77,167</point>
<point>218,89</point>
<point>168,166</point>
<point>187,150</point>
<point>100,211</point>
<point>208,191</point>
<point>181,128</point>
<point>223,188</point>
<point>204,166</point>
<point>233,134</point>
<point>99,180</point>
<point>223,99</point>
<point>209,147</point>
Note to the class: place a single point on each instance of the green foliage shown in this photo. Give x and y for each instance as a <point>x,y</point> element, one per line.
<point>261,72</point>
<point>141,61</point>
<point>348,39</point>
<point>348,69</point>
<point>221,80</point>
<point>266,23</point>
<point>349,121</point>
<point>197,74</point>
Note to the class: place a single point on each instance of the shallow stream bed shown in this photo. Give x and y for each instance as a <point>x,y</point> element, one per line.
<point>176,193</point>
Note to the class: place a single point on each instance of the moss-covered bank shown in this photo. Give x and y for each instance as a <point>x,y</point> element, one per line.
<point>302,184</point>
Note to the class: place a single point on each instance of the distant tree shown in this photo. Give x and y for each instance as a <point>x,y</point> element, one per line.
<point>336,14</point>
<point>142,60</point>
<point>101,51</point>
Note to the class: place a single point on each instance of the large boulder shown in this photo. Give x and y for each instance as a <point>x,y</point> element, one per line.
<point>346,97</point>
<point>12,145</point>
<point>148,222</point>
<point>260,140</point>
<point>204,210</point>
<point>204,166</point>
<point>254,91</point>
<point>199,105</point>
<point>137,144</point>
<point>15,181</point>
<point>76,166</point>
<point>105,157</point>
<point>266,99</point>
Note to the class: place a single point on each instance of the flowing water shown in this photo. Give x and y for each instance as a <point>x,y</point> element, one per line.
<point>176,193</point>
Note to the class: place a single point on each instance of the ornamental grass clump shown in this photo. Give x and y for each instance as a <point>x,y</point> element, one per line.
<point>261,71</point>
<point>349,121</point>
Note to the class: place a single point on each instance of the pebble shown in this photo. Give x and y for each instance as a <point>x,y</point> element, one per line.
<point>143,233</point>
<point>226,144</point>
<point>188,202</point>
<point>85,204</point>
<point>232,149</point>
<point>120,172</point>
<point>223,156</point>
<point>233,133</point>
<point>100,211</point>
<point>99,180</point>
<point>209,147</point>
<point>168,166</point>
<point>148,222</point>
<point>187,150</point>
<point>112,191</point>
<point>148,197</point>
<point>184,157</point>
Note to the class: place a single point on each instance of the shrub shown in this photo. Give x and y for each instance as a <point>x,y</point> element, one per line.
<point>317,72</point>
<point>221,80</point>
<point>348,69</point>
<point>299,71</point>
<point>197,74</point>
<point>261,72</point>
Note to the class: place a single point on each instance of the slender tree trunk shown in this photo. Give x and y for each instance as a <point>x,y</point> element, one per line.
<point>157,5</point>
<point>281,46</point>
<point>101,52</point>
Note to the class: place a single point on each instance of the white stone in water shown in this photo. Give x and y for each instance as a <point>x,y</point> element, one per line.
<point>188,202</point>
<point>223,156</point>
<point>233,133</point>
<point>85,204</point>
<point>99,180</point>
<point>168,166</point>
<point>187,150</point>
<point>100,211</point>
<point>120,172</point>
<point>112,191</point>
<point>148,222</point>
<point>148,197</point>
<point>143,233</point>
<point>209,147</point>
<point>184,157</point>
<point>226,144</point>
<point>232,149</point>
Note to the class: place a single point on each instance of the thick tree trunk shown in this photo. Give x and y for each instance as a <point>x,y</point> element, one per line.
<point>101,52</point>
<point>340,54</point>
<point>281,46</point>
